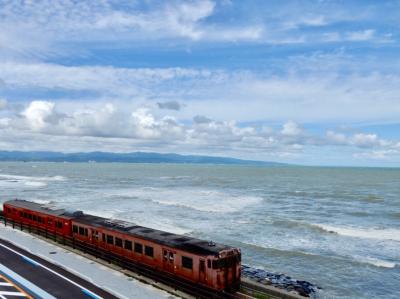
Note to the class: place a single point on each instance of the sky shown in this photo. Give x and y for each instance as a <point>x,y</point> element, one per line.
<point>305,82</point>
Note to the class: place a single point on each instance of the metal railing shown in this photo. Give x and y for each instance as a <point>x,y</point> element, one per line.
<point>155,274</point>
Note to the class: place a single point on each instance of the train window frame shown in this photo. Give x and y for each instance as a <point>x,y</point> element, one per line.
<point>215,264</point>
<point>202,266</point>
<point>149,251</point>
<point>110,239</point>
<point>81,230</point>
<point>187,262</point>
<point>128,245</point>
<point>118,242</point>
<point>138,248</point>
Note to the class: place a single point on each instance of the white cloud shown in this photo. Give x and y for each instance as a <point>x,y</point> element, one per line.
<point>3,104</point>
<point>291,129</point>
<point>314,97</point>
<point>359,36</point>
<point>113,127</point>
<point>36,114</point>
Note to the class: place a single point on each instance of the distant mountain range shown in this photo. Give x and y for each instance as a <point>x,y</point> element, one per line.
<point>135,157</point>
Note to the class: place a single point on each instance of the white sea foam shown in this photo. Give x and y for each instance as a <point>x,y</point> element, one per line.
<point>31,178</point>
<point>35,184</point>
<point>201,200</point>
<point>377,262</point>
<point>364,233</point>
<point>41,201</point>
<point>192,198</point>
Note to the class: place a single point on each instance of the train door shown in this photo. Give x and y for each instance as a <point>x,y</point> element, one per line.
<point>168,260</point>
<point>202,271</point>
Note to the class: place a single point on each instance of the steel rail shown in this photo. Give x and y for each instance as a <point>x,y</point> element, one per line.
<point>157,275</point>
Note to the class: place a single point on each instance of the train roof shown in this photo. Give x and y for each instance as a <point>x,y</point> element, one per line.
<point>44,208</point>
<point>185,243</point>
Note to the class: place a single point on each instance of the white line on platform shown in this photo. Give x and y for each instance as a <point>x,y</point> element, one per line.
<point>54,272</point>
<point>16,294</point>
<point>27,285</point>
<point>5,284</point>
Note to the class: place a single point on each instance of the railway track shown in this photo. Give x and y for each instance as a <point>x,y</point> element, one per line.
<point>154,274</point>
<point>156,277</point>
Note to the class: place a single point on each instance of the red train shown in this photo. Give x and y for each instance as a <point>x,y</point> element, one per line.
<point>205,263</point>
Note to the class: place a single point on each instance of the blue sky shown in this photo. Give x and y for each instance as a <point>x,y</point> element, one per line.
<point>308,82</point>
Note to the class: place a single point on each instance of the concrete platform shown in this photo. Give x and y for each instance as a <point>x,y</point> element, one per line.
<point>41,279</point>
<point>100,281</point>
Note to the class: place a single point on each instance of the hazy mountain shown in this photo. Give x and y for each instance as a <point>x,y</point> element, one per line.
<point>135,157</point>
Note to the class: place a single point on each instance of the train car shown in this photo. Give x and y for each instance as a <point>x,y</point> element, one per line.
<point>46,217</point>
<point>211,265</point>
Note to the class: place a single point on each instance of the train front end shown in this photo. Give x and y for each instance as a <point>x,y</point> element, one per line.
<point>227,267</point>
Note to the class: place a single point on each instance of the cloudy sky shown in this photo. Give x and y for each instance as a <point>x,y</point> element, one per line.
<point>309,82</point>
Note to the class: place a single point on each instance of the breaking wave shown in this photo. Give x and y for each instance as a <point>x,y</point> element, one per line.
<point>35,184</point>
<point>31,178</point>
<point>364,233</point>
<point>206,201</point>
<point>196,199</point>
<point>377,262</point>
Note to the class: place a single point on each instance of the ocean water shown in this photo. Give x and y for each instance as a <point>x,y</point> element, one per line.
<point>336,227</point>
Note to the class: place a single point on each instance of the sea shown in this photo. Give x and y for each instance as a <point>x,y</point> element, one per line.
<point>338,228</point>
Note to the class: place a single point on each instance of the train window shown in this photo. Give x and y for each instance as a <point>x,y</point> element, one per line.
<point>118,242</point>
<point>208,263</point>
<point>165,255</point>
<point>103,237</point>
<point>128,245</point>
<point>30,216</point>
<point>25,215</point>
<point>21,214</point>
<point>202,266</point>
<point>75,229</point>
<point>149,251</point>
<point>81,231</point>
<point>86,232</point>
<point>49,222</point>
<point>34,218</point>
<point>110,239</point>
<point>187,262</point>
<point>138,248</point>
<point>215,264</point>
<point>39,219</point>
<point>59,224</point>
<point>171,257</point>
